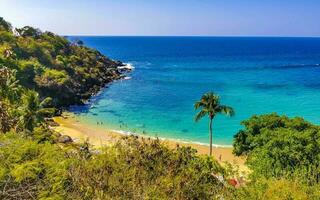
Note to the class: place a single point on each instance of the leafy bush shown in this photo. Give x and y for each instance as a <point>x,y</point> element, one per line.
<point>278,146</point>
<point>134,169</point>
<point>31,170</point>
<point>278,189</point>
<point>131,169</point>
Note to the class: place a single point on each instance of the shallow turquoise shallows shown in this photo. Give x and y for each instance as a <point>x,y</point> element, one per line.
<point>253,75</point>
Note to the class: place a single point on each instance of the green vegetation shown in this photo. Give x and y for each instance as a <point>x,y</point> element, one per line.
<point>21,109</point>
<point>67,72</point>
<point>210,106</point>
<point>284,156</point>
<point>131,169</point>
<point>278,146</point>
<point>278,189</point>
<point>40,72</point>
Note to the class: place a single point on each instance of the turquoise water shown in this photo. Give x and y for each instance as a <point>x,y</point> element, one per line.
<point>253,75</point>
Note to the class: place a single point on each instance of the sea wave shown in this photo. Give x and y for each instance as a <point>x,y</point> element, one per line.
<point>127,66</point>
<point>122,132</point>
<point>127,78</point>
<point>294,66</point>
<point>237,68</point>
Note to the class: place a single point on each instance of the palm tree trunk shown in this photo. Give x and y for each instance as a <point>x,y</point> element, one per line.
<point>210,129</point>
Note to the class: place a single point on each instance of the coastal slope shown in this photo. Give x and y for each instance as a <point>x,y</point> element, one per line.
<point>67,71</point>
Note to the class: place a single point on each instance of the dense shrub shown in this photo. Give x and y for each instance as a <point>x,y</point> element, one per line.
<point>131,169</point>
<point>29,170</point>
<point>278,189</point>
<point>278,146</point>
<point>135,169</point>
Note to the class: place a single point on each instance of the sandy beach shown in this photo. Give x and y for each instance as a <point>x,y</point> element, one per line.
<point>100,136</point>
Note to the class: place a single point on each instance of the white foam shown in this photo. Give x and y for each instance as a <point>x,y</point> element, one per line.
<point>127,78</point>
<point>127,66</point>
<point>122,132</point>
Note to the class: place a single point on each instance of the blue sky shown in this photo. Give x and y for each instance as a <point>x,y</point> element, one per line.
<point>167,17</point>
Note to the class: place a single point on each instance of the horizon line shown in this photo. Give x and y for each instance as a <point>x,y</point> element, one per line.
<point>229,36</point>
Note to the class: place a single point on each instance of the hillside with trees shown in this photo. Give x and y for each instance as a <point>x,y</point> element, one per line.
<point>40,72</point>
<point>68,72</point>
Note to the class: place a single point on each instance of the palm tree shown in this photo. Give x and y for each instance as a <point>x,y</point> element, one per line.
<point>210,106</point>
<point>9,95</point>
<point>34,110</point>
<point>9,87</point>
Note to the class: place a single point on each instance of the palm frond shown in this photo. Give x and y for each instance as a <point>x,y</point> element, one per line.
<point>227,110</point>
<point>209,104</point>
<point>45,102</point>
<point>199,104</point>
<point>46,111</point>
<point>200,115</point>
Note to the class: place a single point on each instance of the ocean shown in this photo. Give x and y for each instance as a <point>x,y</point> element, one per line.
<point>254,75</point>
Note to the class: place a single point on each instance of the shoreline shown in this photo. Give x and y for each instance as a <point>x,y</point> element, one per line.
<point>122,132</point>
<point>101,136</point>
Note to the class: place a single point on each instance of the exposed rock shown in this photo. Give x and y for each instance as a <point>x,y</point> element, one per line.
<point>51,122</point>
<point>65,139</point>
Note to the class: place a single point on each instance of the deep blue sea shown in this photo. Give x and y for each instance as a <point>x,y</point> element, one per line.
<point>253,75</point>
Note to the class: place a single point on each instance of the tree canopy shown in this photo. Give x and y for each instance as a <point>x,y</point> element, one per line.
<point>4,25</point>
<point>278,146</point>
<point>67,72</point>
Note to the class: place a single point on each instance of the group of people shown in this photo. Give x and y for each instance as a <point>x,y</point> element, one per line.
<point>99,123</point>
